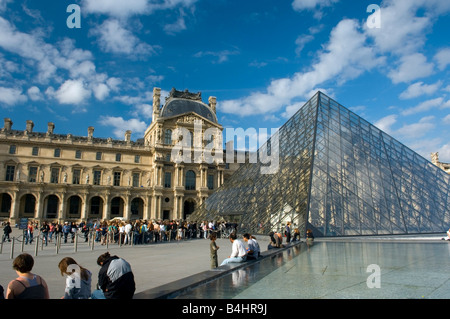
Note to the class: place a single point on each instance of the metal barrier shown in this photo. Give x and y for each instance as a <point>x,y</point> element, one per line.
<point>93,238</point>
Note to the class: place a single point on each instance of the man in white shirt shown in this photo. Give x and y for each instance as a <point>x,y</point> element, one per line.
<point>127,229</point>
<point>238,253</point>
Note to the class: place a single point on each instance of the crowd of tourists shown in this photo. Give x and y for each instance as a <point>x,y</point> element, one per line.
<point>130,232</point>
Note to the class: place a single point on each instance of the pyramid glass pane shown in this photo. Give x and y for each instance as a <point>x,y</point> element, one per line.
<point>338,175</point>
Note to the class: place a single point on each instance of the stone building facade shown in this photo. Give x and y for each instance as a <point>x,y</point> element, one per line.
<point>435,161</point>
<point>61,177</point>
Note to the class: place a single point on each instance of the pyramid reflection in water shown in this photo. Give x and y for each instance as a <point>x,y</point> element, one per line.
<point>339,176</point>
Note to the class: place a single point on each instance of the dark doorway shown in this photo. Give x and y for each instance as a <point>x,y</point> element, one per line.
<point>189,207</point>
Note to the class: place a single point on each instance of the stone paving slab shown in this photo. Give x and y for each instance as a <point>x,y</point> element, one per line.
<point>153,264</point>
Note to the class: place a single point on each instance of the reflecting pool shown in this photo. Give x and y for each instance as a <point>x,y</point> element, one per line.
<point>339,270</point>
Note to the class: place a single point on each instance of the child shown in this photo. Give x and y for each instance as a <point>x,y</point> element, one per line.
<point>213,250</point>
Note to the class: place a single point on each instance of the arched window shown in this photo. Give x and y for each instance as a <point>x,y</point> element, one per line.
<point>190,180</point>
<point>168,137</point>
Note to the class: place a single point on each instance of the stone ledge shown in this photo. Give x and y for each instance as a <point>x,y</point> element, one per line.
<point>174,288</point>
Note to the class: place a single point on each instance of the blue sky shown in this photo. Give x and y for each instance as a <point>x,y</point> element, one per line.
<point>261,59</point>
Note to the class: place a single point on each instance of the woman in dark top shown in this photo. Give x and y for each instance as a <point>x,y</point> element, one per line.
<point>27,285</point>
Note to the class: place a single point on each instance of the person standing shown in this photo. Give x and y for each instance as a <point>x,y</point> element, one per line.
<point>66,230</point>
<point>238,253</point>
<point>29,233</point>
<point>45,228</point>
<point>213,250</point>
<point>115,277</point>
<point>309,238</point>
<point>6,231</point>
<point>27,285</point>
<point>287,232</point>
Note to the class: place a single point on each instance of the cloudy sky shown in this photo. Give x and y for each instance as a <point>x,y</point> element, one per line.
<point>261,59</point>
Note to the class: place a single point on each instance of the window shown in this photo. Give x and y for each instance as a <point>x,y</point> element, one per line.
<point>76,176</point>
<point>116,179</point>
<point>32,174</point>
<point>74,205</point>
<point>168,137</point>
<point>10,169</point>
<point>12,149</point>
<point>168,157</point>
<point>167,179</point>
<point>190,180</point>
<point>98,156</point>
<point>57,152</point>
<point>78,154</point>
<point>136,179</point>
<point>210,181</point>
<point>97,177</point>
<point>137,158</point>
<point>35,151</point>
<point>118,157</point>
<point>54,177</point>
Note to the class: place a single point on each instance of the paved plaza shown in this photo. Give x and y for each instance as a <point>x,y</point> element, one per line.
<point>153,264</point>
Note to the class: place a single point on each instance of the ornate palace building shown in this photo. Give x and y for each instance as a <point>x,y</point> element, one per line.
<point>435,161</point>
<point>59,177</point>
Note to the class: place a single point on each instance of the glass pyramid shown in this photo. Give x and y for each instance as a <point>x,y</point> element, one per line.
<point>339,176</point>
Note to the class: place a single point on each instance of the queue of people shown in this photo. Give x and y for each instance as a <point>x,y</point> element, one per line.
<point>116,231</point>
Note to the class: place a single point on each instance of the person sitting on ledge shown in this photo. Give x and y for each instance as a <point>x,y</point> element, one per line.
<point>253,251</point>
<point>238,253</point>
<point>448,235</point>
<point>275,240</point>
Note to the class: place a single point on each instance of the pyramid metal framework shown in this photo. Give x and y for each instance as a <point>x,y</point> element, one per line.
<point>338,175</point>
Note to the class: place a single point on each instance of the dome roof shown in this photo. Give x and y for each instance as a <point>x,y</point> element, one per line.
<point>181,106</point>
<point>184,102</point>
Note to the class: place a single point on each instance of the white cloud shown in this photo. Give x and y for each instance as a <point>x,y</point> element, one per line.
<point>337,62</point>
<point>446,119</point>
<point>316,5</point>
<point>120,126</point>
<point>34,93</point>
<point>444,153</point>
<point>116,8</point>
<point>72,92</point>
<point>416,130</point>
<point>443,58</point>
<point>386,122</point>
<point>222,56</point>
<point>177,26</point>
<point>124,9</point>
<point>424,106</point>
<point>419,88</point>
<point>143,110</point>
<point>411,67</point>
<point>101,91</point>
<point>401,32</point>
<point>11,96</point>
<point>114,38</point>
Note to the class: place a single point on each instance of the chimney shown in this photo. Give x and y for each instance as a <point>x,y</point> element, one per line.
<point>50,128</point>
<point>212,103</point>
<point>90,132</point>
<point>8,124</point>
<point>30,126</point>
<point>156,103</point>
<point>128,136</point>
